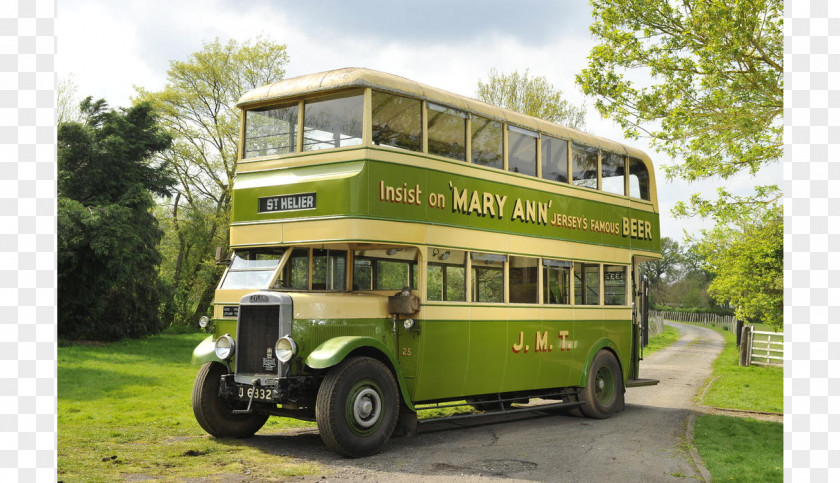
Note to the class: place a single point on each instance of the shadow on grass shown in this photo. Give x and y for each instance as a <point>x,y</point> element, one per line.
<point>160,349</point>
<point>90,384</point>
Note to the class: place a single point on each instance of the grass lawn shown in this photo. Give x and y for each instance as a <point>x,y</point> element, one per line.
<point>662,340</point>
<point>741,449</point>
<point>753,388</point>
<point>124,412</point>
<point>738,449</point>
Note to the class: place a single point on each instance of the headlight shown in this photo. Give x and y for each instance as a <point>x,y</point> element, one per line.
<point>203,321</point>
<point>285,349</point>
<point>224,347</point>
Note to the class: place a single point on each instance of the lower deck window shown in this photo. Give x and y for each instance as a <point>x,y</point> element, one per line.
<point>385,269</point>
<point>587,284</point>
<point>488,277</point>
<point>615,285</point>
<point>446,276</point>
<point>328,270</point>
<point>523,273</point>
<point>556,282</point>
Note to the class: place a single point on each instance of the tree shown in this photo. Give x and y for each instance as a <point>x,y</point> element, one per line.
<point>198,108</point>
<point>533,96</point>
<point>108,285</point>
<point>713,70</point>
<point>66,103</point>
<point>747,261</point>
<point>659,271</point>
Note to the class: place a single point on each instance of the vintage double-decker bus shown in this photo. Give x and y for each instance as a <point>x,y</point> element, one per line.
<point>396,246</point>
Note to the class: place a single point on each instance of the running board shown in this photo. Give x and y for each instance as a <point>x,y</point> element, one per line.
<point>641,382</point>
<point>512,410</point>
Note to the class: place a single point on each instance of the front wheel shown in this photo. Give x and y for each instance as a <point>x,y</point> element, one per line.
<point>604,391</point>
<point>357,407</point>
<point>213,413</point>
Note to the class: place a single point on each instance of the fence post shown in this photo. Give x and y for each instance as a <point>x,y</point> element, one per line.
<point>740,327</point>
<point>746,335</point>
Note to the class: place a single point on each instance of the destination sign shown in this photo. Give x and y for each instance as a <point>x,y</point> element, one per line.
<point>297,202</point>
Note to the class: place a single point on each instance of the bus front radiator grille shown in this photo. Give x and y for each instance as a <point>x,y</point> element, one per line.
<point>259,329</point>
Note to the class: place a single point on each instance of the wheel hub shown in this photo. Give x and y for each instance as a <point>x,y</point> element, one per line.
<point>367,407</point>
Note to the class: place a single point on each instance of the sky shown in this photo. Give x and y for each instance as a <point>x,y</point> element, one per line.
<point>108,48</point>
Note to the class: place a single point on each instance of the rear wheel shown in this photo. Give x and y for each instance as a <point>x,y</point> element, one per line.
<point>604,391</point>
<point>215,414</point>
<point>357,407</point>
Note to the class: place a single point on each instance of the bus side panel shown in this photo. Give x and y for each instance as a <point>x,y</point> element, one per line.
<point>621,333</point>
<point>595,334</point>
<point>522,356</point>
<point>442,365</point>
<point>486,366</point>
<point>558,367</point>
<point>587,334</point>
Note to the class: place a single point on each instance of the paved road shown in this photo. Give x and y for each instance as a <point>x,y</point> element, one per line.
<point>644,443</point>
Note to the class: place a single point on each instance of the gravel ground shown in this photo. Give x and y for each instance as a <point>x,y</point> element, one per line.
<point>646,442</point>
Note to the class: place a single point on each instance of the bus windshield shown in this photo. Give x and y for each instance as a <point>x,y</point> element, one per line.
<point>252,268</point>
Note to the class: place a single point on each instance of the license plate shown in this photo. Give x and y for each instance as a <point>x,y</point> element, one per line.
<point>259,393</point>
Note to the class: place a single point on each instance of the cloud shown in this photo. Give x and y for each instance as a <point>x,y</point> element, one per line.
<point>113,46</point>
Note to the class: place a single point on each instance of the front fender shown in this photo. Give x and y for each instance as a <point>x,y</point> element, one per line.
<point>205,352</point>
<point>335,350</point>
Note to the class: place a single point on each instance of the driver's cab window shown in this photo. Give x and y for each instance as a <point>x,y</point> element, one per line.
<point>314,269</point>
<point>385,268</point>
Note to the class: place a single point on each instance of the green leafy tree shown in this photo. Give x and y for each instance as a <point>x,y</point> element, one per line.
<point>533,96</point>
<point>711,94</point>
<point>198,108</point>
<point>108,285</point>
<point>702,79</point>
<point>747,261</point>
<point>659,271</point>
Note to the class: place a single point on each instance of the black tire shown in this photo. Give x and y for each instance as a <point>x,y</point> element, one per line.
<point>604,391</point>
<point>357,407</point>
<point>213,413</point>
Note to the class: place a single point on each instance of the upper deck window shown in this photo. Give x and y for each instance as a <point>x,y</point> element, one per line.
<point>447,132</point>
<point>397,121</point>
<point>555,159</point>
<point>639,179</point>
<point>612,173</point>
<point>522,151</point>
<point>487,142</point>
<point>333,122</point>
<point>585,166</point>
<point>270,131</point>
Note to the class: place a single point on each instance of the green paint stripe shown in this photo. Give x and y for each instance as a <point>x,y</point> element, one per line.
<point>448,225</point>
<point>474,178</point>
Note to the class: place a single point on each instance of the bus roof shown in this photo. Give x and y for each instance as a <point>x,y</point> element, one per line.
<point>354,77</point>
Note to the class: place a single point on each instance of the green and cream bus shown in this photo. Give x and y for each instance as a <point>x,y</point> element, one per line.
<point>397,246</point>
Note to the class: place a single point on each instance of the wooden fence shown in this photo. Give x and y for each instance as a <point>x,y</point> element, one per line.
<point>726,322</point>
<point>656,324</point>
